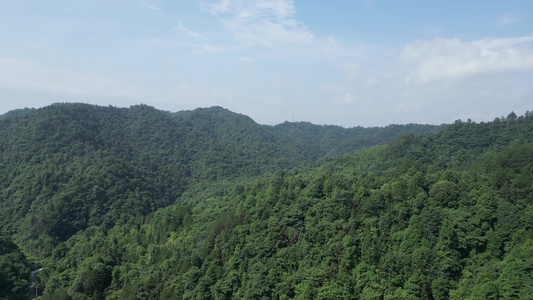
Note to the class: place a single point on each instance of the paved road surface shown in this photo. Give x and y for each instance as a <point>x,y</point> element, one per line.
<point>32,283</point>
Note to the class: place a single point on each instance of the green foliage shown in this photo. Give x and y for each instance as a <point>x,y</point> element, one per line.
<point>16,112</point>
<point>180,215</point>
<point>66,167</point>
<point>14,271</point>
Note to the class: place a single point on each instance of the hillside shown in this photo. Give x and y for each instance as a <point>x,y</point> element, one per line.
<point>206,204</point>
<point>69,166</point>
<point>389,222</point>
<point>13,268</point>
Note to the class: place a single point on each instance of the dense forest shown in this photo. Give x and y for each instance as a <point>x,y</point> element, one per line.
<point>137,203</point>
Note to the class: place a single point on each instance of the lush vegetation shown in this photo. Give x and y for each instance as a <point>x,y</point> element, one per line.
<point>206,204</point>
<point>70,166</point>
<point>14,269</point>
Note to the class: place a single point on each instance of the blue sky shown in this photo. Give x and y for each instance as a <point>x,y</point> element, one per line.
<point>341,62</point>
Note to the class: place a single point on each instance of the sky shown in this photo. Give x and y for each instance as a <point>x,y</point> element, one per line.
<point>337,62</point>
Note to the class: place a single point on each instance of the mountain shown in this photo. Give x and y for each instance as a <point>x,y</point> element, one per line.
<point>139,203</point>
<point>445,215</point>
<point>69,166</point>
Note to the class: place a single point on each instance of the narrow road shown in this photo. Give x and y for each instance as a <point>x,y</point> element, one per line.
<point>32,281</point>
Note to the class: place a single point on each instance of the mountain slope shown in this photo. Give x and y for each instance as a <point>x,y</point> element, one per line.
<point>408,220</point>
<point>14,271</point>
<point>69,166</point>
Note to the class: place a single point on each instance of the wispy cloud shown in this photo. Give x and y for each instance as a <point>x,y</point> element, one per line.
<point>24,75</point>
<point>188,31</point>
<point>149,5</point>
<point>507,19</point>
<point>260,22</point>
<point>245,59</point>
<point>368,3</point>
<point>453,59</point>
<point>211,48</point>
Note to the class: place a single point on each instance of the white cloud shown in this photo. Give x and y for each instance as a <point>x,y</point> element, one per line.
<point>23,75</point>
<point>507,19</point>
<point>186,30</point>
<point>448,79</point>
<point>452,59</point>
<point>245,59</point>
<point>500,43</point>
<point>219,49</point>
<point>148,5</point>
<point>260,22</point>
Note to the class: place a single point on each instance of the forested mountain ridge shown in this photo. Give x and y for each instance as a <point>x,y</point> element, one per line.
<point>335,140</point>
<point>434,216</point>
<point>69,166</point>
<point>16,112</point>
<point>388,222</point>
